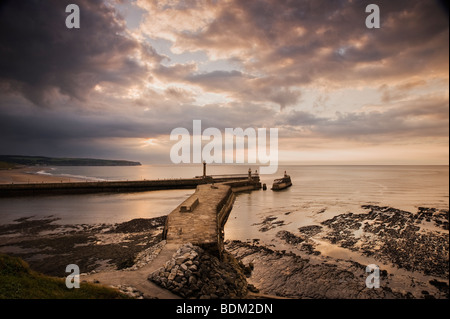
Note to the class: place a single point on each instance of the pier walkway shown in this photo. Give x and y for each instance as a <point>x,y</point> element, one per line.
<point>203,224</point>
<point>201,218</point>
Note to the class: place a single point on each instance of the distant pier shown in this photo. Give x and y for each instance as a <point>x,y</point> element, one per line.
<point>35,189</point>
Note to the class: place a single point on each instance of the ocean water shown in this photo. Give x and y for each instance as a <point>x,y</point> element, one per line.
<point>322,192</point>
<point>318,193</point>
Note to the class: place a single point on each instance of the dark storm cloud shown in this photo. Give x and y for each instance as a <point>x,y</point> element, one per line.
<point>122,135</point>
<point>40,57</point>
<point>74,132</point>
<point>424,117</point>
<point>69,133</point>
<point>283,50</point>
<point>329,39</point>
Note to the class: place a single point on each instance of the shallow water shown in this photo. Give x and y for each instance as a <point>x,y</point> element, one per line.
<point>321,192</point>
<point>318,193</point>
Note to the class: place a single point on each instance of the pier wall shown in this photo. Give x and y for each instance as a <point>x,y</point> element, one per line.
<point>35,189</point>
<point>7,190</point>
<point>204,225</point>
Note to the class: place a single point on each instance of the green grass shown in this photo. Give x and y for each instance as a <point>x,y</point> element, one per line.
<point>19,281</point>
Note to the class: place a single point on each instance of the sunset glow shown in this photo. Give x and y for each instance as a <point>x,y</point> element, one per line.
<point>338,92</point>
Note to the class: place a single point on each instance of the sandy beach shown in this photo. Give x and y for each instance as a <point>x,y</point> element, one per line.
<point>25,175</point>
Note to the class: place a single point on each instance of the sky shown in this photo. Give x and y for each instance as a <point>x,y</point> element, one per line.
<point>337,91</point>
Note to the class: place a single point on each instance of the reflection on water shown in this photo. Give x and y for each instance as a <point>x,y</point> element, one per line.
<point>318,193</point>
<point>93,209</point>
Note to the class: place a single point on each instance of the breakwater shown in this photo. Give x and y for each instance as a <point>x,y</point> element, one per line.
<point>200,219</point>
<point>35,189</point>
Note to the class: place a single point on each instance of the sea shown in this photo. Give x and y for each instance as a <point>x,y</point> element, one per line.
<point>318,193</point>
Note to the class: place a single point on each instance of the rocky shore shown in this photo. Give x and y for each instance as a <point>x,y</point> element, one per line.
<point>289,275</point>
<point>193,273</point>
<point>49,247</point>
<point>327,259</point>
<point>415,242</point>
<point>411,250</point>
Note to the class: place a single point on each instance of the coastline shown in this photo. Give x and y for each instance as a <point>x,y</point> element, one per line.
<point>319,255</point>
<point>29,175</point>
<point>108,252</point>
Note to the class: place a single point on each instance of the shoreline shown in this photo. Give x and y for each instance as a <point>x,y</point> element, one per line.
<point>29,175</point>
<point>305,272</point>
<point>321,256</point>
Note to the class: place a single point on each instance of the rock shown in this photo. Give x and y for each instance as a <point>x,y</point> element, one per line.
<point>193,255</point>
<point>184,267</point>
<point>290,238</point>
<point>252,288</point>
<point>310,230</point>
<point>397,235</point>
<point>179,261</point>
<point>294,276</point>
<point>171,276</point>
<point>192,280</point>
<point>201,275</point>
<point>178,279</point>
<point>193,268</point>
<point>247,271</point>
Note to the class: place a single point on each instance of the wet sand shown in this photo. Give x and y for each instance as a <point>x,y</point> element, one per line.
<point>28,175</point>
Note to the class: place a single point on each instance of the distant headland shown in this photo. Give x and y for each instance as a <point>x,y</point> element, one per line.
<point>63,161</point>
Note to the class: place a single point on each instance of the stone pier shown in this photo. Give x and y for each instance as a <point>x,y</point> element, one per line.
<point>200,219</point>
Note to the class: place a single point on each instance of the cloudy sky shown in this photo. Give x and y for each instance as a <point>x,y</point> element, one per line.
<point>338,92</point>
